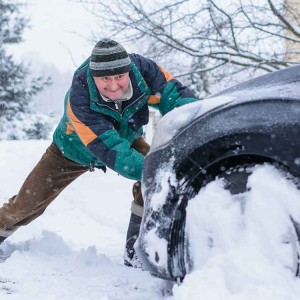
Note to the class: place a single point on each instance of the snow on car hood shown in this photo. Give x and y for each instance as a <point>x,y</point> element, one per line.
<point>178,118</point>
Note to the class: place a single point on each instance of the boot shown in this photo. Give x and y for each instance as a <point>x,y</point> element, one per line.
<point>130,258</point>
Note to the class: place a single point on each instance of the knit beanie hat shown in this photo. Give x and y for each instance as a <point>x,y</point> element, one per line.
<point>109,58</point>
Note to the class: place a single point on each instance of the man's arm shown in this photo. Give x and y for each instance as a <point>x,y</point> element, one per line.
<point>167,91</point>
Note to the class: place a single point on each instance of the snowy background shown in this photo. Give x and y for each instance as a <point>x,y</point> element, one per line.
<point>56,43</point>
<point>75,250</point>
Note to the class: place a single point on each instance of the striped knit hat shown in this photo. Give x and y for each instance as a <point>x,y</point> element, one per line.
<point>109,58</point>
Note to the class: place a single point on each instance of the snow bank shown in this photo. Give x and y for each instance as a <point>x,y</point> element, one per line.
<point>240,243</point>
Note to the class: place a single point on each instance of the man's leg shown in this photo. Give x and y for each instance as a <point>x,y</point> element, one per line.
<point>137,208</point>
<point>141,146</point>
<point>45,182</point>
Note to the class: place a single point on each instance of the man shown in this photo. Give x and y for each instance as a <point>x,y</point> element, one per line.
<point>105,110</point>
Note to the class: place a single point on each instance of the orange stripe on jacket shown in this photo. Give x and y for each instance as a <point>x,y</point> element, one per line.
<point>167,74</point>
<point>155,99</point>
<point>84,132</point>
<point>70,129</point>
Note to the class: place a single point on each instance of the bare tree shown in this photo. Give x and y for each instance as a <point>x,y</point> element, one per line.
<point>214,40</point>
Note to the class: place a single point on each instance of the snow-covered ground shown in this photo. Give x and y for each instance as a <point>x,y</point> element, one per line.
<point>75,250</point>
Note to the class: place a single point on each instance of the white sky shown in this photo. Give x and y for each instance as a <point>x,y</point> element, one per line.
<point>57,33</point>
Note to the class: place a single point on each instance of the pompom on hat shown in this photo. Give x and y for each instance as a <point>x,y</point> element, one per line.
<point>109,58</point>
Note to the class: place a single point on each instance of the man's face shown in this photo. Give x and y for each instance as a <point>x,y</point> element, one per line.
<point>113,87</point>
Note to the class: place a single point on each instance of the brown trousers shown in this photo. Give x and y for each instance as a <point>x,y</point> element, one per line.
<point>47,180</point>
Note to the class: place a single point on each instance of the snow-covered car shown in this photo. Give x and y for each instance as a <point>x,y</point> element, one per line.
<point>224,136</point>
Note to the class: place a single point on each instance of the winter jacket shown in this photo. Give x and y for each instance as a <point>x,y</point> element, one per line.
<point>92,132</point>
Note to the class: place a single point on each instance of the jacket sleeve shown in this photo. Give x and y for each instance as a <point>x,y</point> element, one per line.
<point>99,136</point>
<point>167,92</point>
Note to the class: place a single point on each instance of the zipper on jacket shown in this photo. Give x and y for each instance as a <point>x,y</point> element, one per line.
<point>113,109</point>
<point>133,103</point>
<point>122,113</point>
